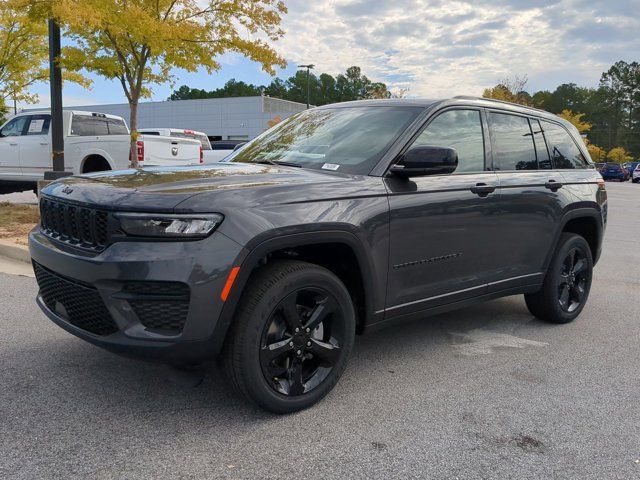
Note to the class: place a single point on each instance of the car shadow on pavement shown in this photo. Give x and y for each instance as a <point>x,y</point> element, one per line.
<point>79,378</point>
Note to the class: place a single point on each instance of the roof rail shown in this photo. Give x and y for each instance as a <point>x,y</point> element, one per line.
<point>471,97</point>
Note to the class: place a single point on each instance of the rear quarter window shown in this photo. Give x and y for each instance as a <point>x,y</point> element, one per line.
<point>565,153</point>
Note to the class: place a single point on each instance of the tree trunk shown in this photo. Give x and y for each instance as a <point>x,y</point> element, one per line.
<point>133,126</point>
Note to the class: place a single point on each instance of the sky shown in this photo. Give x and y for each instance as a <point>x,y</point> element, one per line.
<point>433,48</point>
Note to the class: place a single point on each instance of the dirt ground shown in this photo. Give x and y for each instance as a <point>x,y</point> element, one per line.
<point>16,221</point>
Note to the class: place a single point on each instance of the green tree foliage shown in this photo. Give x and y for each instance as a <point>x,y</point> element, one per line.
<point>612,109</point>
<point>323,89</point>
<point>619,155</point>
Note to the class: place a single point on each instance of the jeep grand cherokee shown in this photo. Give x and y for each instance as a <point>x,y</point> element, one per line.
<point>340,219</point>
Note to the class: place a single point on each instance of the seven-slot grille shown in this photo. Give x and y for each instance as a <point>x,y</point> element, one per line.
<point>78,303</point>
<point>79,226</point>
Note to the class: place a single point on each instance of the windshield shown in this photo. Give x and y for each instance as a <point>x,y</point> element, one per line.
<point>344,139</point>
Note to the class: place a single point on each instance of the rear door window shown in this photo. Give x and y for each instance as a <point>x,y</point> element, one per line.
<point>39,125</point>
<point>564,151</point>
<point>512,142</point>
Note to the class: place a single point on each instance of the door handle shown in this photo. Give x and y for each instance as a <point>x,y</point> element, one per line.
<point>13,144</point>
<point>553,185</point>
<point>482,189</point>
<point>44,143</point>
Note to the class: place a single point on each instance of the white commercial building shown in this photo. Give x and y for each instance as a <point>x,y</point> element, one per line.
<point>235,118</point>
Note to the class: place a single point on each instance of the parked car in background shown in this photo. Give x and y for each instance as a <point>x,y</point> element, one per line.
<point>182,133</point>
<point>614,171</point>
<point>599,166</point>
<point>630,166</point>
<point>93,142</point>
<point>635,176</point>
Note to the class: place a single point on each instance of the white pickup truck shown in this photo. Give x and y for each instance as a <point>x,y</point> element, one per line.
<point>211,153</point>
<point>92,141</point>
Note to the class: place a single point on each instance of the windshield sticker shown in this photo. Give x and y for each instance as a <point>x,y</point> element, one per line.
<point>330,166</point>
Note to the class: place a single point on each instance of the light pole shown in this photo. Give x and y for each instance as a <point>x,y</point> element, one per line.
<point>55,83</point>
<point>308,67</point>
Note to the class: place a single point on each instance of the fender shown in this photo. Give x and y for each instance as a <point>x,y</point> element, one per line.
<point>580,210</point>
<point>257,249</point>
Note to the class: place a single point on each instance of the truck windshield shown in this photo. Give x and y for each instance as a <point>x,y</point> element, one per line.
<point>344,139</point>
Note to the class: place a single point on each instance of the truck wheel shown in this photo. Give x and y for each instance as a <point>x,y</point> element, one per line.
<point>566,286</point>
<point>291,336</point>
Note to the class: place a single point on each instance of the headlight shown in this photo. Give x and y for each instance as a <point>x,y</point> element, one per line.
<point>169,226</point>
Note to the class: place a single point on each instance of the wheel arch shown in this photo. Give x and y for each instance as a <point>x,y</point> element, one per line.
<point>94,157</point>
<point>308,246</point>
<point>585,221</point>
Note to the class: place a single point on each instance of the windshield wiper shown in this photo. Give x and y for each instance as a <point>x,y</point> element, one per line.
<point>279,162</point>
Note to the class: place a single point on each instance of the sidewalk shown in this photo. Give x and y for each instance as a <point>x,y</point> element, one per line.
<point>15,259</point>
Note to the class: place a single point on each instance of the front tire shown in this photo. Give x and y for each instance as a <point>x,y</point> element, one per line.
<point>567,283</point>
<point>291,337</point>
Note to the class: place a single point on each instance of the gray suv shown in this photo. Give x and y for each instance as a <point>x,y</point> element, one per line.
<point>339,220</point>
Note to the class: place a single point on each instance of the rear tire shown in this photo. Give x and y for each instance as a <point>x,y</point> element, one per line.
<point>567,283</point>
<point>291,336</point>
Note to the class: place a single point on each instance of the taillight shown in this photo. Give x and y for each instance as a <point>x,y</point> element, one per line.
<point>140,150</point>
<point>201,155</point>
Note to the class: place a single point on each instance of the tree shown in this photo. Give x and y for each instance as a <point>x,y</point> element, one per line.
<point>140,43</point>
<point>323,89</point>
<point>23,51</point>
<point>619,155</point>
<point>597,154</point>
<point>576,120</point>
<point>620,94</point>
<point>510,90</point>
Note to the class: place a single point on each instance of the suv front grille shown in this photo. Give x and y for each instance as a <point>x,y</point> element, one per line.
<point>78,303</point>
<point>160,306</point>
<point>78,226</point>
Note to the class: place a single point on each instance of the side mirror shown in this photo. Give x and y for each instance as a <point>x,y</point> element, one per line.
<point>419,161</point>
<point>239,145</point>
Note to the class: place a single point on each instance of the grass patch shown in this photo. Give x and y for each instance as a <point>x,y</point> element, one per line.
<point>16,221</point>
<point>12,214</point>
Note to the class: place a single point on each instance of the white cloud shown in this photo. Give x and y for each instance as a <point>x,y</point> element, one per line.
<point>440,48</point>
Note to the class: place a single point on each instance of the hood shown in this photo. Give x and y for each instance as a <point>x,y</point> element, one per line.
<point>164,188</point>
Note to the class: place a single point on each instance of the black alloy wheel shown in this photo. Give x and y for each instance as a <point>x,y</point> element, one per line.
<point>574,276</point>
<point>567,283</point>
<point>291,337</point>
<point>302,341</point>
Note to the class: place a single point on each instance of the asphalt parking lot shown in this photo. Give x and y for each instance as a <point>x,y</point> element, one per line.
<point>486,392</point>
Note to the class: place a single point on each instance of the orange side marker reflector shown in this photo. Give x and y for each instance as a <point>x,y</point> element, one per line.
<point>227,286</point>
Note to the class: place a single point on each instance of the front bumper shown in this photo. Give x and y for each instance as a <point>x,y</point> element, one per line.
<point>202,265</point>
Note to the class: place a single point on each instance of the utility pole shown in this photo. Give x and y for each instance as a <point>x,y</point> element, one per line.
<point>55,83</point>
<point>308,67</point>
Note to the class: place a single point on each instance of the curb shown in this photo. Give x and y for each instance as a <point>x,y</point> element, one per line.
<point>15,252</point>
